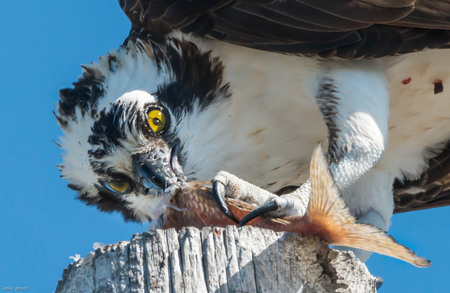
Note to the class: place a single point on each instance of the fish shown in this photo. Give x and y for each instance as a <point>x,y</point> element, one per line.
<point>327,216</point>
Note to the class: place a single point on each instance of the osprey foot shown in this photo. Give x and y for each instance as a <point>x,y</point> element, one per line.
<point>277,207</point>
<point>226,185</point>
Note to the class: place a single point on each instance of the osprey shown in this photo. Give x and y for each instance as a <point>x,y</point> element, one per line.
<point>240,92</point>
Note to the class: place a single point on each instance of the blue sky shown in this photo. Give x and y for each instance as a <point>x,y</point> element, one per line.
<point>41,223</point>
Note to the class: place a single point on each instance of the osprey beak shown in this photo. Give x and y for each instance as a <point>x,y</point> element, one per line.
<point>158,170</point>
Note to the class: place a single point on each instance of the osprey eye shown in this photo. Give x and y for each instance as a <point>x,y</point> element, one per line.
<point>157,120</point>
<point>118,186</point>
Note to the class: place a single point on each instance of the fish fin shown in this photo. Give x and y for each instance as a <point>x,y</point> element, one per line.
<point>332,221</point>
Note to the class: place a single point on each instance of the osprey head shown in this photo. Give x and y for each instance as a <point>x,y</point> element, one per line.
<point>122,123</point>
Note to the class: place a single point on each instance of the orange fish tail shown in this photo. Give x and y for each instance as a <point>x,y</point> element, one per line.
<point>331,220</point>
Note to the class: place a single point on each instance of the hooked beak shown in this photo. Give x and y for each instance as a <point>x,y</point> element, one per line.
<point>159,170</point>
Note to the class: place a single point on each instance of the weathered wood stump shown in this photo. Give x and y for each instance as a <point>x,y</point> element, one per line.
<point>217,260</point>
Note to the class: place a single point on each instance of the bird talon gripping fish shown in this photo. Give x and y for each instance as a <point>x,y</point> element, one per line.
<point>200,87</point>
<point>327,216</point>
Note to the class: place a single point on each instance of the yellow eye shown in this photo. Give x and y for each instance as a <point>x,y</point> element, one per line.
<point>157,120</point>
<point>118,186</point>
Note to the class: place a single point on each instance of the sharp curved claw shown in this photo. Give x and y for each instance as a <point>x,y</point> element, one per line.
<point>218,190</point>
<point>268,207</point>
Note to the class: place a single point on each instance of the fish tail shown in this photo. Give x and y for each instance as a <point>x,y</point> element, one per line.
<point>331,220</point>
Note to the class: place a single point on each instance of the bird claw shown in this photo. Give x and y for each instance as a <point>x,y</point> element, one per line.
<point>218,193</point>
<point>267,208</point>
<point>277,207</point>
<point>226,185</point>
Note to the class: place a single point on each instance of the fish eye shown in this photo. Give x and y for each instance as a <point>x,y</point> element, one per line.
<point>157,119</point>
<point>118,186</point>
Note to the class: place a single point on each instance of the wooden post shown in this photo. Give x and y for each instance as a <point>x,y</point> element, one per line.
<point>217,260</point>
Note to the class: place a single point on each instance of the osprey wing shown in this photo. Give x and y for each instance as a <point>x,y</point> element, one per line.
<point>326,28</point>
<point>432,190</point>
